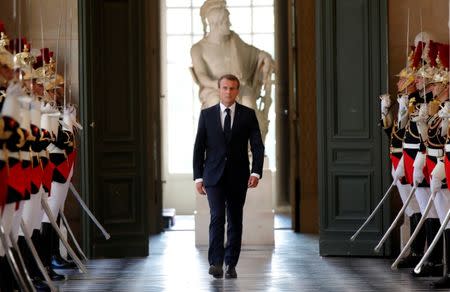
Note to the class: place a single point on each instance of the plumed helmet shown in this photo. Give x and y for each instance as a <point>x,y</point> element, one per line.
<point>417,57</point>
<point>443,54</point>
<point>424,37</point>
<point>433,52</point>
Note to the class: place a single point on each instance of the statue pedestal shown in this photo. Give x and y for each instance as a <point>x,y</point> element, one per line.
<point>258,218</point>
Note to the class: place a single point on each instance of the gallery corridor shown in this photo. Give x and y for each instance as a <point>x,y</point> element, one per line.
<point>294,264</point>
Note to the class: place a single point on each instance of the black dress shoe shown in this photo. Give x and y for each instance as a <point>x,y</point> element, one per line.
<point>59,263</point>
<point>54,276</point>
<point>216,271</point>
<point>442,283</point>
<point>230,272</point>
<point>409,262</point>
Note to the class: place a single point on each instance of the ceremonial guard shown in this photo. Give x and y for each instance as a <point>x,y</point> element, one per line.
<point>395,129</point>
<point>30,128</point>
<point>442,200</point>
<point>436,137</point>
<point>417,134</point>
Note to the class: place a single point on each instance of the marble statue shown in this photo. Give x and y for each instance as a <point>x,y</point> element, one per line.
<point>221,51</point>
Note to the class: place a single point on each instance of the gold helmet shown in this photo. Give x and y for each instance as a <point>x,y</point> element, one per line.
<point>406,78</point>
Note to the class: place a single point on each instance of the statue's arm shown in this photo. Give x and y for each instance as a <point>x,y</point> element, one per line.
<point>267,64</point>
<point>200,68</point>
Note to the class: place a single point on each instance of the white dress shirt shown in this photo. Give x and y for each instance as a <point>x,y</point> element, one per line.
<point>223,113</point>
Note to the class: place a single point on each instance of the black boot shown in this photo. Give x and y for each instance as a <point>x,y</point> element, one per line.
<point>6,277</point>
<point>28,258</point>
<point>417,245</point>
<point>432,226</point>
<point>434,266</point>
<point>46,244</point>
<point>40,285</point>
<point>33,269</point>
<point>58,262</point>
<point>444,282</point>
<point>46,257</point>
<point>36,239</point>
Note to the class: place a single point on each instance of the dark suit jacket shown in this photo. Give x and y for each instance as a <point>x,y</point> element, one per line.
<point>212,152</point>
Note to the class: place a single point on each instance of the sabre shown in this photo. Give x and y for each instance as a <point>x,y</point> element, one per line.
<point>21,261</point>
<point>72,236</point>
<point>416,231</point>
<point>399,215</point>
<point>12,262</point>
<point>86,209</point>
<point>48,211</point>
<point>36,256</point>
<point>386,195</point>
<point>418,268</point>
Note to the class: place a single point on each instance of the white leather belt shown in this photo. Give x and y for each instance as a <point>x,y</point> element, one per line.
<point>411,146</point>
<point>435,152</point>
<point>10,154</point>
<point>25,155</point>
<point>447,147</point>
<point>53,149</point>
<point>395,150</point>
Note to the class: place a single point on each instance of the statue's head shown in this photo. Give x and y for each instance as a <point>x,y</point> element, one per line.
<point>215,15</point>
<point>219,21</point>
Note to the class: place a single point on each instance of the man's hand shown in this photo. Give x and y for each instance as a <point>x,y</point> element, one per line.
<point>200,188</point>
<point>252,181</point>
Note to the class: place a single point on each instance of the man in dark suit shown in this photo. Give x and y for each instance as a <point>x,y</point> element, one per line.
<point>222,172</point>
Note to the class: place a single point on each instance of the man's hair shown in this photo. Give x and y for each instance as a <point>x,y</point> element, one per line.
<point>230,77</point>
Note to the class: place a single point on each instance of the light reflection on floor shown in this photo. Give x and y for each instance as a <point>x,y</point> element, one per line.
<point>187,222</point>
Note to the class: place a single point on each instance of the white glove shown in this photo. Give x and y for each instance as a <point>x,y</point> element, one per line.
<point>439,171</point>
<point>437,175</point>
<point>385,104</point>
<point>418,166</point>
<point>400,171</point>
<point>418,175</point>
<point>423,112</point>
<point>444,113</point>
<point>435,185</point>
<point>421,119</point>
<point>402,115</point>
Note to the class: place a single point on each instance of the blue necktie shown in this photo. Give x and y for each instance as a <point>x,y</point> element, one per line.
<point>227,125</point>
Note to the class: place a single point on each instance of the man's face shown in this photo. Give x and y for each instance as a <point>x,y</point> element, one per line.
<point>420,82</point>
<point>436,88</point>
<point>228,91</point>
<point>6,73</point>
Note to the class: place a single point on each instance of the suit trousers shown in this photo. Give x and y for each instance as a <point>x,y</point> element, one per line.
<point>226,201</point>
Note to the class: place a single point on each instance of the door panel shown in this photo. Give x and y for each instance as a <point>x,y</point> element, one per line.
<point>120,176</point>
<point>353,172</point>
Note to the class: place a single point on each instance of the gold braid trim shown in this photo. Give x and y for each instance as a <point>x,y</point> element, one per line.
<point>408,129</point>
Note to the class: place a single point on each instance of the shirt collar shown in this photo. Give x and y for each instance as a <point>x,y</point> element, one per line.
<point>223,107</point>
